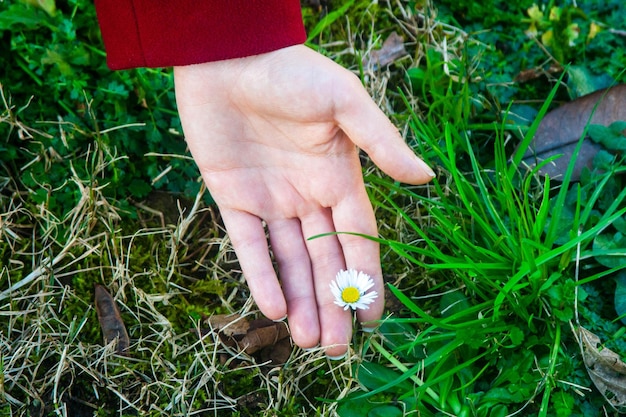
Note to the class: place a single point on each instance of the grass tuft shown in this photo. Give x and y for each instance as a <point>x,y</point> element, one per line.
<point>164,278</point>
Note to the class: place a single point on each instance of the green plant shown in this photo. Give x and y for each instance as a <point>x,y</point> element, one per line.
<point>56,46</point>
<point>517,46</point>
<point>483,260</point>
<point>491,336</point>
<point>558,29</point>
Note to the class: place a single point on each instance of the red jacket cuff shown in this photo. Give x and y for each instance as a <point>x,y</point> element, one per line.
<point>161,33</point>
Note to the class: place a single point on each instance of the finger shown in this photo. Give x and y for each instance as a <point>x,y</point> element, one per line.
<point>368,127</point>
<point>249,241</point>
<point>294,270</point>
<point>326,260</point>
<point>361,253</point>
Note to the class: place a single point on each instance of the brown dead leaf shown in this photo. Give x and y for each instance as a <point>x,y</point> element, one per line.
<point>277,354</point>
<point>266,338</point>
<point>263,333</point>
<point>392,49</point>
<point>111,322</point>
<point>229,324</point>
<point>561,129</point>
<point>606,369</point>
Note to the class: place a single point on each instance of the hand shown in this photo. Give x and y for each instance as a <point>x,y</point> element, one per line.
<point>274,138</point>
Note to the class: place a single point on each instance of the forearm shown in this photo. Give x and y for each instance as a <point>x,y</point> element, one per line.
<point>151,33</point>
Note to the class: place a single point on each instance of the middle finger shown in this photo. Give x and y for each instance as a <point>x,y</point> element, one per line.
<point>326,260</point>
<point>294,270</point>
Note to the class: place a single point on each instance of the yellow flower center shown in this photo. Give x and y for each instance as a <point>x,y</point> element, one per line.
<point>350,295</point>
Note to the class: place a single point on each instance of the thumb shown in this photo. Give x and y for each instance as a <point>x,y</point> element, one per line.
<point>370,129</point>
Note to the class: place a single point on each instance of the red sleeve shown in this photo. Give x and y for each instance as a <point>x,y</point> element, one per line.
<point>163,33</point>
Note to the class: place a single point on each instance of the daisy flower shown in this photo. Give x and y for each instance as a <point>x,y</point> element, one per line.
<point>350,287</point>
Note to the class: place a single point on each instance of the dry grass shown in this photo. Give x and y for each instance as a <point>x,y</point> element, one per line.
<point>164,275</point>
<point>52,356</point>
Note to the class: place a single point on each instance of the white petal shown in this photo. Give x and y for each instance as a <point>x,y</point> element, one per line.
<point>369,297</point>
<point>335,290</point>
<point>367,285</point>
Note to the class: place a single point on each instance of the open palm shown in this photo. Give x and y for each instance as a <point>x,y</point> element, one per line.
<point>275,137</point>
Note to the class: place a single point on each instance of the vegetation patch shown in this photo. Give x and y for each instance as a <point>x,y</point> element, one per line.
<point>505,285</point>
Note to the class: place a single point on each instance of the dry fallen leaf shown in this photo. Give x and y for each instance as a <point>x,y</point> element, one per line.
<point>606,369</point>
<point>229,324</point>
<point>110,320</point>
<point>263,333</point>
<point>392,49</point>
<point>269,339</point>
<point>561,129</point>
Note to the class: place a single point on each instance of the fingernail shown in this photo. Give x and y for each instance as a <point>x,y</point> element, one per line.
<point>367,329</point>
<point>428,170</point>
<point>311,349</point>
<point>337,358</point>
<point>280,319</point>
